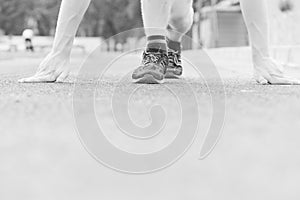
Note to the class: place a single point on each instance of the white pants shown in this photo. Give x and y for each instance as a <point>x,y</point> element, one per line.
<point>70,15</point>
<point>158,14</point>
<point>255,15</point>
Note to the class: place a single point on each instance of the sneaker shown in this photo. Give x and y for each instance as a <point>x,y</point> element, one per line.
<point>152,69</point>
<point>174,68</point>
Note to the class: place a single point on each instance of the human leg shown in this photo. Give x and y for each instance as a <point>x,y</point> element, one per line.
<point>156,15</point>
<point>54,66</point>
<point>181,21</point>
<point>266,69</point>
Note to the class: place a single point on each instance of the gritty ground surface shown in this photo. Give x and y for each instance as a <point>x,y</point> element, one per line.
<point>41,156</point>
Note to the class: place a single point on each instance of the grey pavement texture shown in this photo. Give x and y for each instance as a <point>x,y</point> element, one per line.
<point>41,156</point>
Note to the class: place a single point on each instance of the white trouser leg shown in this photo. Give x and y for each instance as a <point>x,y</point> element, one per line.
<point>70,16</point>
<point>181,19</point>
<point>266,70</point>
<point>53,67</point>
<point>255,15</point>
<point>156,15</point>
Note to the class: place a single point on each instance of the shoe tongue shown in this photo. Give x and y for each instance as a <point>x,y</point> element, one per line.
<point>174,45</point>
<point>152,50</point>
<point>174,51</point>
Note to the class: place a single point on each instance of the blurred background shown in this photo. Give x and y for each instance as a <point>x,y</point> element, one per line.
<point>217,23</point>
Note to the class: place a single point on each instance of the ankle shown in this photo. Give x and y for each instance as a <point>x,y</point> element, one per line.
<point>174,45</point>
<point>156,43</point>
<point>259,56</point>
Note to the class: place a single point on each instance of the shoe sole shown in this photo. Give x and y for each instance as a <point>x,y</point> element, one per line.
<point>148,79</point>
<point>172,76</point>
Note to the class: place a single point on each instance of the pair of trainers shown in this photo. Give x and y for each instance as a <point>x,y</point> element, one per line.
<point>156,66</point>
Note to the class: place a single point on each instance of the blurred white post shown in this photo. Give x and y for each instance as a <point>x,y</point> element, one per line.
<point>215,30</point>
<point>196,26</point>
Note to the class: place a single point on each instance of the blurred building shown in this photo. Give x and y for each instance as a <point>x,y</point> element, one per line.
<point>222,25</point>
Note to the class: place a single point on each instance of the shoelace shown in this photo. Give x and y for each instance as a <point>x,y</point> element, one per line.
<point>174,58</point>
<point>154,58</point>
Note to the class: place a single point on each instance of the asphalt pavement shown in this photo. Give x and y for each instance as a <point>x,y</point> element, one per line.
<point>41,155</point>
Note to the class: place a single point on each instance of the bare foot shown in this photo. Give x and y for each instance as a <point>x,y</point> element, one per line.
<point>269,71</point>
<point>54,68</point>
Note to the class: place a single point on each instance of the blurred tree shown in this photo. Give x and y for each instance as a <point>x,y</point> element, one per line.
<point>16,15</point>
<point>11,16</point>
<point>286,5</point>
<point>45,13</point>
<point>109,17</point>
<point>103,18</point>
